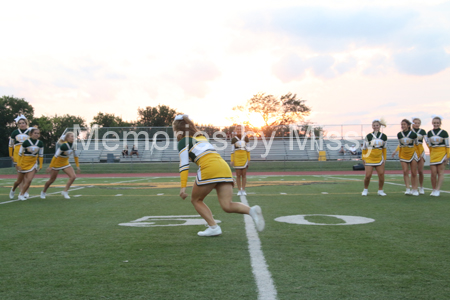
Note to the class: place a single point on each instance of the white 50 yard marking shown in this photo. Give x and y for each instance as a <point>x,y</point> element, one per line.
<point>263,278</point>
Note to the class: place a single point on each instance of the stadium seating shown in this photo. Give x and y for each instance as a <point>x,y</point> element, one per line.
<point>280,150</point>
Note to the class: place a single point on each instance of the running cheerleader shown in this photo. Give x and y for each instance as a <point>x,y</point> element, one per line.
<point>438,142</point>
<point>408,156</point>
<point>61,162</point>
<point>213,173</point>
<point>421,137</point>
<point>27,163</point>
<point>374,156</point>
<point>240,157</point>
<point>18,136</point>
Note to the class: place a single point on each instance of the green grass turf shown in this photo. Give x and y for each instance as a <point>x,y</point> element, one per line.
<point>75,249</point>
<point>255,166</point>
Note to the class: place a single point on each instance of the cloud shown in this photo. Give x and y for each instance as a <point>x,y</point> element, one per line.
<point>419,61</point>
<point>292,67</point>
<point>322,29</point>
<point>327,32</point>
<point>193,76</point>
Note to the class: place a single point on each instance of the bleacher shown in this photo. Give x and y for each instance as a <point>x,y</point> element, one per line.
<point>280,150</point>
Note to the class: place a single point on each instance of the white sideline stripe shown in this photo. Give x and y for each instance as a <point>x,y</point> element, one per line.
<point>386,182</point>
<point>40,195</point>
<point>128,180</point>
<point>263,278</point>
<point>74,189</point>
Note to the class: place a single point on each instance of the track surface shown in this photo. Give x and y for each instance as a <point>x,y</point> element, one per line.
<point>62,174</point>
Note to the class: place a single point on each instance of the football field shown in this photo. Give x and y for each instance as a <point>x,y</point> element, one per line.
<point>134,238</point>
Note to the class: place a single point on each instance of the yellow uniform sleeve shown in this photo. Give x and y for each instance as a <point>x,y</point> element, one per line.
<point>77,162</point>
<point>184,178</point>
<point>41,162</point>
<point>11,154</point>
<point>184,165</point>
<point>384,153</point>
<point>232,153</point>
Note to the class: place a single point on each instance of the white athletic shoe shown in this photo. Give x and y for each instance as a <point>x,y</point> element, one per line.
<point>432,192</point>
<point>381,193</point>
<point>211,232</point>
<point>43,195</point>
<point>256,214</point>
<point>65,194</point>
<point>26,195</point>
<point>239,193</point>
<point>243,193</point>
<point>421,191</point>
<point>11,194</point>
<point>22,197</point>
<point>365,192</point>
<point>437,193</point>
<point>415,193</point>
<point>408,192</point>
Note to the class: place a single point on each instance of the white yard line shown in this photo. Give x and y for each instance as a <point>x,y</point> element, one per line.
<point>38,196</point>
<point>73,189</point>
<point>263,278</point>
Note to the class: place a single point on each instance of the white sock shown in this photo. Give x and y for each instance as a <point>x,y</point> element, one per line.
<point>213,227</point>
<point>366,190</point>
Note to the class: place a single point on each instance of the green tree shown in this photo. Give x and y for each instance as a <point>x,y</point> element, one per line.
<point>285,110</point>
<point>109,120</point>
<point>10,108</point>
<point>53,127</point>
<point>161,115</point>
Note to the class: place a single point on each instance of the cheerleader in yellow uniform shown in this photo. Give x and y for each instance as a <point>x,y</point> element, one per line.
<point>27,163</point>
<point>421,138</point>
<point>240,158</point>
<point>438,142</point>
<point>374,156</point>
<point>408,156</point>
<point>61,162</point>
<point>213,173</point>
<point>18,136</point>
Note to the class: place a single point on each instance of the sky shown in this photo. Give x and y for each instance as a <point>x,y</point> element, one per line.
<point>352,61</point>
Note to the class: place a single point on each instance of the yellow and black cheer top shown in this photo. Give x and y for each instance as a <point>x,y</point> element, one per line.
<point>407,144</point>
<point>438,142</point>
<point>421,135</point>
<point>29,152</point>
<point>18,136</point>
<point>211,167</point>
<point>240,155</point>
<point>374,149</point>
<point>61,159</point>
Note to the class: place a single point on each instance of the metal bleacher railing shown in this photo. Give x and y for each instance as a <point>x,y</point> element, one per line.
<point>156,144</point>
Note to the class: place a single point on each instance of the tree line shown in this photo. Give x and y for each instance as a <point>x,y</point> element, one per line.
<point>52,127</point>
<point>277,112</point>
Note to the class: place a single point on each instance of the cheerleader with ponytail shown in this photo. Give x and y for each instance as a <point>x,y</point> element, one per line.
<point>421,138</point>
<point>374,156</point>
<point>213,173</point>
<point>438,143</point>
<point>18,136</point>
<point>408,156</point>
<point>61,162</point>
<point>30,153</point>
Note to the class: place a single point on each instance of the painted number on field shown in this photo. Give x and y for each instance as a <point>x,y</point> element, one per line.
<point>161,221</point>
<point>346,220</point>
